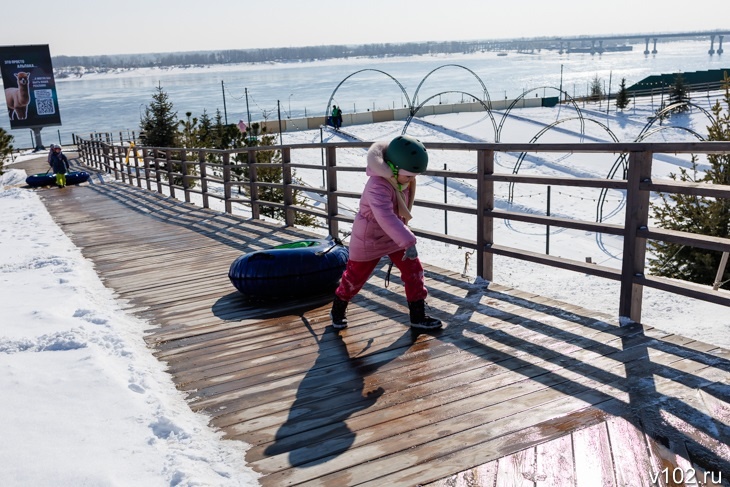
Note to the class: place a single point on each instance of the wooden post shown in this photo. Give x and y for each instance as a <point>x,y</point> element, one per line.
<point>111,160</point>
<point>146,161</point>
<point>332,205</point>
<point>255,210</point>
<point>446,198</point>
<point>117,155</point>
<point>227,182</point>
<point>289,213</point>
<point>547,227</point>
<point>185,178</point>
<point>170,177</point>
<point>158,172</point>
<point>720,271</point>
<point>637,217</point>
<point>203,177</point>
<point>136,164</point>
<point>485,223</point>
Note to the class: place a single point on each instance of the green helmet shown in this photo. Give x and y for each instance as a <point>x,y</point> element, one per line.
<point>406,152</point>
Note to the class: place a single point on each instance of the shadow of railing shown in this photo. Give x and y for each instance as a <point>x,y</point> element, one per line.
<point>621,371</point>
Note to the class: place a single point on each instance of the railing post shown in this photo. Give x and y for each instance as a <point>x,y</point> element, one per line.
<point>146,162</point>
<point>332,206</point>
<point>91,147</point>
<point>203,177</point>
<point>634,254</point>
<point>289,213</point>
<point>133,148</point>
<point>118,152</point>
<point>485,223</point>
<point>98,159</point>
<point>253,188</point>
<point>185,177</point>
<point>158,173</point>
<point>111,160</point>
<point>170,176</point>
<point>227,183</point>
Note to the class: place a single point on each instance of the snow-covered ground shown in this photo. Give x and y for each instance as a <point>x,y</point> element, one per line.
<point>685,316</point>
<point>86,403</point>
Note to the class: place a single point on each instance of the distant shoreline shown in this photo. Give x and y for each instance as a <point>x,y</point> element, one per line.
<point>74,67</point>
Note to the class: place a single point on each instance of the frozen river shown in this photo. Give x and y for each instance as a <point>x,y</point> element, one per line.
<point>114,102</point>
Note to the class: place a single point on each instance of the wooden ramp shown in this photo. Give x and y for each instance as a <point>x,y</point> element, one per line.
<point>516,390</point>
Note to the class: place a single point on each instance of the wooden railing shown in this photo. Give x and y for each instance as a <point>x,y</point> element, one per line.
<point>183,172</point>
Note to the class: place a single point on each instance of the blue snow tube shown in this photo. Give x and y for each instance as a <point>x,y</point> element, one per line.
<point>49,179</point>
<point>296,269</point>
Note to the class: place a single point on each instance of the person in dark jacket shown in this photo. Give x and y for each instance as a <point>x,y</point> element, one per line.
<point>59,164</point>
<point>50,153</point>
<point>338,121</point>
<point>334,117</point>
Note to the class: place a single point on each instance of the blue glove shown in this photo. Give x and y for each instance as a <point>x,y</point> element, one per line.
<point>411,253</point>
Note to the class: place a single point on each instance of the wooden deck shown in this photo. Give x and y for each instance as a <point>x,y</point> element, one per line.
<point>516,390</point>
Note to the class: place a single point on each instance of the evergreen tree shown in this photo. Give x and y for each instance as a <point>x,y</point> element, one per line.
<point>622,97</point>
<point>696,214</point>
<point>159,124</point>
<point>225,136</point>
<point>596,89</point>
<point>204,133</point>
<point>6,148</point>
<point>188,133</point>
<point>679,92</point>
<point>189,140</point>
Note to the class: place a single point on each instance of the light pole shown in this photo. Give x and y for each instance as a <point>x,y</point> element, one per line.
<point>289,113</point>
<point>140,111</point>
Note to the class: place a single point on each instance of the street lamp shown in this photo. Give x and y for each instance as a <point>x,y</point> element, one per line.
<point>289,115</point>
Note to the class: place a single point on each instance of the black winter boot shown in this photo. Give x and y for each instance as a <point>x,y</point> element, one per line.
<point>419,318</point>
<point>339,314</point>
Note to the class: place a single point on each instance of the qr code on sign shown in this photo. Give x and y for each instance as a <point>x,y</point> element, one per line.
<point>44,102</point>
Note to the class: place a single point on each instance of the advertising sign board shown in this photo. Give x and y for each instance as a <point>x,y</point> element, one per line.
<point>30,89</point>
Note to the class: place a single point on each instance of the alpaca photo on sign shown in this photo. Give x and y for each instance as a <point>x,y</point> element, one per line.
<point>18,98</point>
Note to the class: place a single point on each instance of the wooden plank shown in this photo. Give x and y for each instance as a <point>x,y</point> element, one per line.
<point>668,469</point>
<point>593,462</point>
<point>629,449</point>
<point>495,448</point>
<point>555,466</point>
<point>483,475</point>
<point>716,408</point>
<point>517,469</point>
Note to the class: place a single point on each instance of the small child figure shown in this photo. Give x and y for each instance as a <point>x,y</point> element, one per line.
<point>380,228</point>
<point>59,164</point>
<point>50,153</point>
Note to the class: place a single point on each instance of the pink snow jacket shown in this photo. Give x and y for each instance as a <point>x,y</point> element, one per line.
<point>378,229</point>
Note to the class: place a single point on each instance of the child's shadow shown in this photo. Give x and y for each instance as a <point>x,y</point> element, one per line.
<point>332,390</point>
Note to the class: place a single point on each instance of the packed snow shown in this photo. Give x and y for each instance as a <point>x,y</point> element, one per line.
<point>86,403</point>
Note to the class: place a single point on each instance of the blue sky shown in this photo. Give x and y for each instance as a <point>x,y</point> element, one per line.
<point>87,27</point>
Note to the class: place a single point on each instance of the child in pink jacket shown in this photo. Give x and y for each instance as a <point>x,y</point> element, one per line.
<point>380,228</point>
